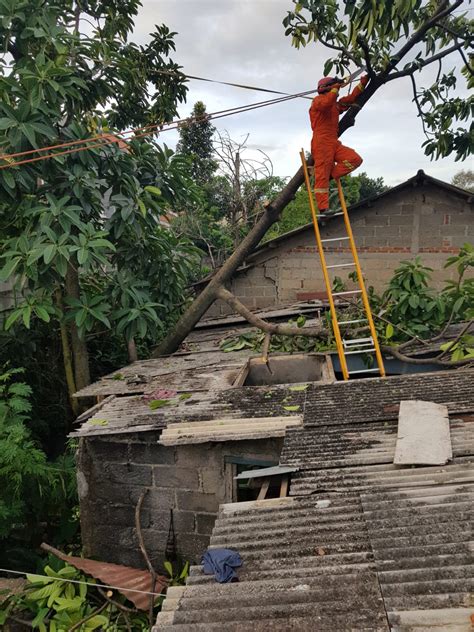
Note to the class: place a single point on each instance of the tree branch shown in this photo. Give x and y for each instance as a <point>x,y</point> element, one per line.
<point>141,544</point>
<point>420,111</point>
<point>470,69</point>
<point>256,321</point>
<point>418,66</point>
<point>341,49</point>
<point>443,10</point>
<point>365,49</point>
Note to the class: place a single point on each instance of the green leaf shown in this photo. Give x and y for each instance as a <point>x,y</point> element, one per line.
<point>14,316</point>
<point>48,253</point>
<point>291,409</point>
<point>98,422</point>
<point>158,403</point>
<point>300,387</point>
<point>155,190</point>
<point>389,331</point>
<point>9,268</point>
<point>169,568</point>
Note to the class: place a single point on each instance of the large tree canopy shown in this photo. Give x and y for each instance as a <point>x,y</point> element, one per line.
<point>392,40</point>
<point>80,232</point>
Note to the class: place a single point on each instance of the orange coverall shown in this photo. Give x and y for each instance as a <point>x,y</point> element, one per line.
<point>331,158</point>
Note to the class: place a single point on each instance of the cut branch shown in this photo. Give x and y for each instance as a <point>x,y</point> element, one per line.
<point>256,321</point>
<point>365,49</point>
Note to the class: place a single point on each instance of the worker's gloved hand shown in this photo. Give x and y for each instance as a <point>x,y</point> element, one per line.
<point>364,80</point>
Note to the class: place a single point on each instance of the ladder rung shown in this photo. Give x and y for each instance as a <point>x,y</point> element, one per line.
<point>323,216</point>
<point>356,341</point>
<point>341,265</point>
<point>365,371</point>
<point>368,350</point>
<point>333,239</point>
<point>348,292</point>
<point>350,322</point>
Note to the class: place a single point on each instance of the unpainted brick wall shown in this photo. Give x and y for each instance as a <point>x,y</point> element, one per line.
<point>191,480</point>
<point>424,220</point>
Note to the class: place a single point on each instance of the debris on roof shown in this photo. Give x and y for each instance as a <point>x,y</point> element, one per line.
<point>132,583</point>
<point>276,470</point>
<point>423,434</point>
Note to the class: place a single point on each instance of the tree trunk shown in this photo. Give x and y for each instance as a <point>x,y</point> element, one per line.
<point>67,358</point>
<point>271,215</point>
<point>79,347</point>
<point>132,350</point>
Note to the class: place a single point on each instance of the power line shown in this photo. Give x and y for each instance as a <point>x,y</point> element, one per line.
<point>116,136</point>
<point>226,83</point>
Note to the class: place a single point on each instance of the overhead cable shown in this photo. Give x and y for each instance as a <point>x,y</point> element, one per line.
<point>114,137</point>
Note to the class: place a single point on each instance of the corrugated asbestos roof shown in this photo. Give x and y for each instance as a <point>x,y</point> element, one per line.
<point>228,430</point>
<point>361,544</point>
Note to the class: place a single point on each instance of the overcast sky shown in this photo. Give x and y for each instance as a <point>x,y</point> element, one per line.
<point>243,41</point>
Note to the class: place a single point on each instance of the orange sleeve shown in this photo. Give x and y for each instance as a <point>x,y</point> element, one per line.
<point>324,101</point>
<point>351,98</point>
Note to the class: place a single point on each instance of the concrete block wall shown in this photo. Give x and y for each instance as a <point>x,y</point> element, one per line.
<point>190,480</point>
<point>424,220</point>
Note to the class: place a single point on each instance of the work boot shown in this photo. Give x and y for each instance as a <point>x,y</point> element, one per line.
<point>324,213</point>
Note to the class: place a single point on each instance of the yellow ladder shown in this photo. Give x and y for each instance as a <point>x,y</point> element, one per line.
<point>368,344</point>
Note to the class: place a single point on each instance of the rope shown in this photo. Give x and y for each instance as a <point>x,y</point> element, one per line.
<point>120,135</point>
<point>77,581</point>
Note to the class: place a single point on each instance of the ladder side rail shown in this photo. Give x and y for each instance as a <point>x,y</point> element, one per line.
<point>360,277</point>
<point>332,307</point>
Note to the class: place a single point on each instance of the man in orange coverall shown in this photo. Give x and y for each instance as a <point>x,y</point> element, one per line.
<point>331,158</point>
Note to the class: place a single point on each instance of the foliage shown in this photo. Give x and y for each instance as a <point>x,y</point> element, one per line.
<point>382,36</point>
<point>464,179</point>
<point>81,236</point>
<point>461,350</point>
<point>410,308</point>
<point>410,303</point>
<point>195,142</point>
<point>178,577</point>
<point>459,294</point>
<point>37,495</point>
<point>53,603</point>
<point>297,213</point>
<point>289,344</point>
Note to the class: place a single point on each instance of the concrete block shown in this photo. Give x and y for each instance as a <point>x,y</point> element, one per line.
<point>184,521</point>
<point>264,301</point>
<point>128,474</point>
<point>211,480</point>
<point>173,476</point>
<point>375,219</point>
<point>159,499</point>
<point>205,523</point>
<point>152,453</point>
<point>401,220</point>
<point>194,456</point>
<point>109,451</point>
<point>196,501</point>
<point>192,546</point>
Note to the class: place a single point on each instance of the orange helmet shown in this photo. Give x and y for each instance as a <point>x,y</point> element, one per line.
<point>326,82</point>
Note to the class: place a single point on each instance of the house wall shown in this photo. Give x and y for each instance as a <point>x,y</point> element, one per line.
<point>192,480</point>
<point>424,220</point>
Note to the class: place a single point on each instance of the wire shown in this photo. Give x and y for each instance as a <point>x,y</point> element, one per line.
<point>225,83</point>
<point>77,581</point>
<point>152,128</point>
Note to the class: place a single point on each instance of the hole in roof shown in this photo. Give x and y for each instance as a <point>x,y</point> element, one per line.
<point>285,369</point>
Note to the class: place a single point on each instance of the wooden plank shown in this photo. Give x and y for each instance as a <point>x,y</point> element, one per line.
<point>264,489</point>
<point>284,487</point>
<point>423,434</point>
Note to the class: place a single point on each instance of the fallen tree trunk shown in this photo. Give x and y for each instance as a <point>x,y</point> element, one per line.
<point>271,215</point>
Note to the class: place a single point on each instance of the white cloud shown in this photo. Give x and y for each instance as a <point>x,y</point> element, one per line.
<point>243,41</point>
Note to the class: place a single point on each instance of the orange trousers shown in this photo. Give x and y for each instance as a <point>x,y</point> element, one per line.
<point>331,160</point>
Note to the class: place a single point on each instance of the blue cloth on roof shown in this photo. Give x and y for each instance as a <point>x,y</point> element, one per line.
<point>221,563</point>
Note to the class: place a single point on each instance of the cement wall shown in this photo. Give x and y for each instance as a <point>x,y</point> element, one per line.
<point>190,480</point>
<point>424,220</point>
